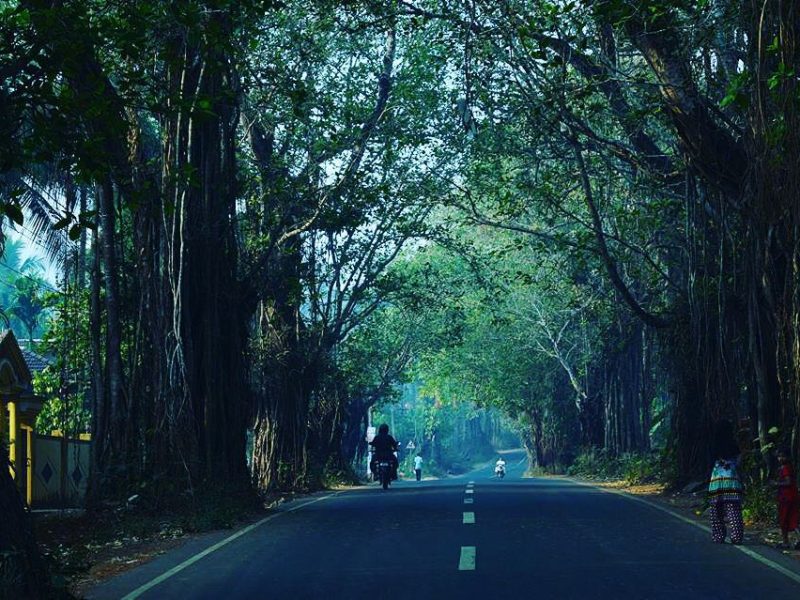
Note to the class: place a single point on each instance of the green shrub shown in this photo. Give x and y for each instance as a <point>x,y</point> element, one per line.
<point>633,468</point>
<point>759,505</point>
<point>759,497</point>
<point>591,463</point>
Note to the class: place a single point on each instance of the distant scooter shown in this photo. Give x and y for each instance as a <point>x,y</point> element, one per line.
<point>500,471</point>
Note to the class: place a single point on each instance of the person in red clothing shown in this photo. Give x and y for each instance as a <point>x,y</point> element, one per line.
<point>788,498</point>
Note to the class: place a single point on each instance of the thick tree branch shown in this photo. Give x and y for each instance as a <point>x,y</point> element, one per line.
<point>360,146</point>
<point>714,152</point>
<point>611,266</point>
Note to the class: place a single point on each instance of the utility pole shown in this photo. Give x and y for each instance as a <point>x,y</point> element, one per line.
<point>370,436</point>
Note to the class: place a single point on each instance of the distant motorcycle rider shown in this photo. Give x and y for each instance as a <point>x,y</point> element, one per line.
<point>385,446</point>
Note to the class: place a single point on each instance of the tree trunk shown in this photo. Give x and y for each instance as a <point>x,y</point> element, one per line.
<point>117,463</point>
<point>100,431</point>
<point>80,272</point>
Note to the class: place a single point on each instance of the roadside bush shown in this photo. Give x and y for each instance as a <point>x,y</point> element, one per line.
<point>640,468</point>
<point>633,468</point>
<point>759,505</point>
<point>759,497</point>
<point>593,464</point>
<point>334,476</point>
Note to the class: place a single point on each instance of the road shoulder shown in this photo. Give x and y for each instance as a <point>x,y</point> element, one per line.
<point>686,510</point>
<point>119,583</point>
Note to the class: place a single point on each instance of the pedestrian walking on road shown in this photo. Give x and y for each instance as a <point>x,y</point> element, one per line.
<point>418,467</point>
<point>788,498</point>
<point>725,491</point>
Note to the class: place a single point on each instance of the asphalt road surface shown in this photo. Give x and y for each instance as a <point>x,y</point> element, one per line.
<point>466,537</point>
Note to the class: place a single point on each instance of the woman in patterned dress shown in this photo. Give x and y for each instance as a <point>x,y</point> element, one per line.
<point>725,491</point>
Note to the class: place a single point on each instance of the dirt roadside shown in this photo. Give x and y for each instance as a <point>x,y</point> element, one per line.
<point>84,549</point>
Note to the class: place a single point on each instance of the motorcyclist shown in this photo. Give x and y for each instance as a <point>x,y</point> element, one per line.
<point>500,465</point>
<point>385,446</point>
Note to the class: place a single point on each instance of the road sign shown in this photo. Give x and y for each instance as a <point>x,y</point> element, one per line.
<point>370,434</point>
<point>410,445</point>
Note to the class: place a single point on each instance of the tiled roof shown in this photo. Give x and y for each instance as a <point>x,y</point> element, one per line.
<point>35,362</point>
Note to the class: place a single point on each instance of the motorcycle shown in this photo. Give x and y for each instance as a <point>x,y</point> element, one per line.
<point>500,471</point>
<point>384,473</point>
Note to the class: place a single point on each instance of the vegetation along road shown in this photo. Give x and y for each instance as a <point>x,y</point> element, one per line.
<point>239,236</point>
<point>472,536</point>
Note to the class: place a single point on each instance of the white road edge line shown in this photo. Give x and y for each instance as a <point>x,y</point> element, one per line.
<point>744,549</point>
<point>469,518</point>
<point>466,561</point>
<point>190,561</point>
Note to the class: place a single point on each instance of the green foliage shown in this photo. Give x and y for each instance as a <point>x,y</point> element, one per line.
<point>70,415</point>
<point>759,505</point>
<point>335,476</point>
<point>633,468</point>
<point>463,237</point>
<point>64,382</point>
<point>738,92</point>
<point>451,435</point>
<point>29,302</point>
<point>23,291</point>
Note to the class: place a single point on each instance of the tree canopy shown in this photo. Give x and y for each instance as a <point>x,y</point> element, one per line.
<point>272,218</point>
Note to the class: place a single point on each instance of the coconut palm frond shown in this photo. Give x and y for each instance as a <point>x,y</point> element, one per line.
<point>72,200</point>
<point>49,175</point>
<point>12,254</point>
<point>45,202</point>
<point>41,217</point>
<point>32,265</point>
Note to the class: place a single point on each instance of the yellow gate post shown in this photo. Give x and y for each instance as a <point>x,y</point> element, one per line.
<point>29,467</point>
<point>13,434</point>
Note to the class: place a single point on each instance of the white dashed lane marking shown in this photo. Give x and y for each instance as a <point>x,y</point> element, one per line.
<point>469,518</point>
<point>467,560</point>
<point>468,500</point>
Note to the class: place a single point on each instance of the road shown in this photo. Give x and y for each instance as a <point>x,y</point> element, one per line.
<point>531,538</point>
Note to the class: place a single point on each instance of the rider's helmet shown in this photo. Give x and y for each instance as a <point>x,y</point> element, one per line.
<point>384,428</point>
